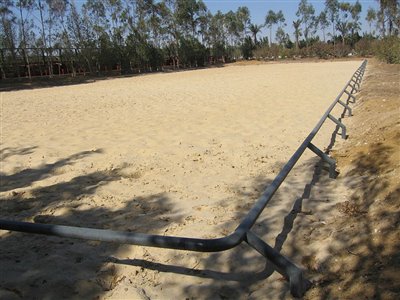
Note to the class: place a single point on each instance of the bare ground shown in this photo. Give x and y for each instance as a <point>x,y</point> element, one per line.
<point>364,262</point>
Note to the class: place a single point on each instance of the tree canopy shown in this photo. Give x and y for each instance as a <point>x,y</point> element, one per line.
<point>55,37</point>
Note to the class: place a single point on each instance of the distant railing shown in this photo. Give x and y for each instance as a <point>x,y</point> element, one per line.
<point>298,285</point>
<point>36,63</point>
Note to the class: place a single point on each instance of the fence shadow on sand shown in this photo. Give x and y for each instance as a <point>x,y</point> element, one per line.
<point>47,267</point>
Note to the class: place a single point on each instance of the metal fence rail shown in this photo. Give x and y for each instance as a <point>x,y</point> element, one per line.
<point>298,285</point>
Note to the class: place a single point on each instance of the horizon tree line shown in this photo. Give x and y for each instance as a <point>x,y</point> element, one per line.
<point>128,35</point>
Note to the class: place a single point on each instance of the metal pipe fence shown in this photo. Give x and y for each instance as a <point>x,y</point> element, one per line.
<point>243,233</point>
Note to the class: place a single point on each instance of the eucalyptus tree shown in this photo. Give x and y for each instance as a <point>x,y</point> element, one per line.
<point>280,19</point>
<point>25,8</point>
<point>204,28</point>
<point>247,48</point>
<point>150,20</point>
<point>47,25</point>
<point>355,24</point>
<point>217,35</point>
<point>370,18</point>
<point>188,14</point>
<point>271,19</point>
<point>41,8</point>
<point>394,16</point>
<point>322,22</point>
<point>172,32</point>
<point>8,36</point>
<point>81,35</point>
<point>243,20</point>
<point>148,29</point>
<point>158,22</point>
<point>297,31</point>
<point>96,11</point>
<point>343,24</point>
<point>98,19</point>
<point>381,16</point>
<point>118,24</point>
<point>57,12</point>
<point>255,29</point>
<point>281,36</point>
<point>237,25</point>
<point>332,9</point>
<point>306,12</point>
<point>232,27</point>
<point>110,20</point>
<point>389,13</point>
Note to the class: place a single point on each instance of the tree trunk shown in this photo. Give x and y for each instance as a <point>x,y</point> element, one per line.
<point>390,26</point>
<point>382,12</point>
<point>24,42</point>
<point>26,61</point>
<point>44,60</point>
<point>333,33</point>
<point>49,64</point>
<point>270,36</point>
<point>306,36</point>
<point>3,73</point>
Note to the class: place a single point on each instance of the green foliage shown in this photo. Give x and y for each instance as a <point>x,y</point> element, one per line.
<point>141,54</point>
<point>388,49</point>
<point>322,50</point>
<point>306,13</point>
<point>255,29</point>
<point>273,18</point>
<point>191,52</point>
<point>273,52</point>
<point>218,50</point>
<point>281,36</point>
<point>247,48</point>
<point>146,35</point>
<point>107,57</point>
<point>365,46</point>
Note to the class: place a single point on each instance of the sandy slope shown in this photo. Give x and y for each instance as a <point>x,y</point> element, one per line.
<point>176,154</point>
<point>364,238</point>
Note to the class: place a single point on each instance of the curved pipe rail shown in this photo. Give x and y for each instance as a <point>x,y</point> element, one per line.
<point>242,232</point>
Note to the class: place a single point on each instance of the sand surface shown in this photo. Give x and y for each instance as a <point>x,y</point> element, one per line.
<point>182,154</point>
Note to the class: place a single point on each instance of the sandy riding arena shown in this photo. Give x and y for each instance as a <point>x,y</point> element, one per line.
<point>183,154</point>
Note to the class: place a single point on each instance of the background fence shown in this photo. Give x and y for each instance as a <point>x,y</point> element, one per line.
<point>52,62</point>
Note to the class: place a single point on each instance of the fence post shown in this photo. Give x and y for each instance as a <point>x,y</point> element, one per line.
<point>298,285</point>
<point>344,136</point>
<point>348,108</point>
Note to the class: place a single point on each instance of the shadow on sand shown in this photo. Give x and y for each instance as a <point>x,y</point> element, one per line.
<point>48,267</point>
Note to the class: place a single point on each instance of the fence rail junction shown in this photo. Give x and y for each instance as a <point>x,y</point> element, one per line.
<point>298,284</point>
